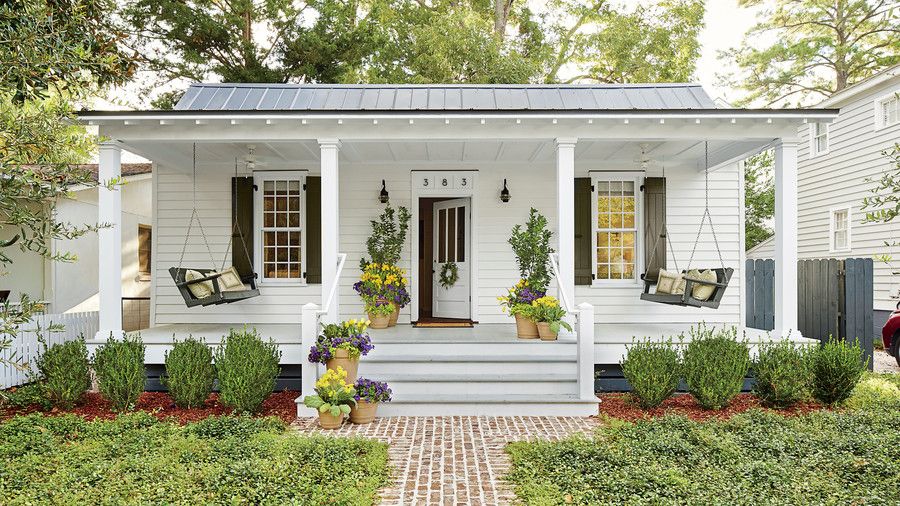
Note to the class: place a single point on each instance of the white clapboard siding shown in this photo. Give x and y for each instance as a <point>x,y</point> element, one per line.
<point>19,360</point>
<point>531,185</point>
<point>839,178</point>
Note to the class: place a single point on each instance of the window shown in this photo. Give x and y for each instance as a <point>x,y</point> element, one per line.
<point>616,225</point>
<point>280,238</point>
<point>840,229</point>
<point>145,236</point>
<point>818,138</point>
<point>887,111</point>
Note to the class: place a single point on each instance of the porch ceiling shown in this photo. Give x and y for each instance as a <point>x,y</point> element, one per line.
<point>611,154</point>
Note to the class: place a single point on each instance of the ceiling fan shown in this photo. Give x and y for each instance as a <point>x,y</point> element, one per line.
<point>644,161</point>
<point>250,160</point>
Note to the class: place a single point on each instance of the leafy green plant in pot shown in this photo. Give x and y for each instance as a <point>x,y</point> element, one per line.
<point>548,315</point>
<point>333,398</point>
<point>531,245</point>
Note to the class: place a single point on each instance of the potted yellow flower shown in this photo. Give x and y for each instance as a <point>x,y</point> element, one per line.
<point>341,345</point>
<point>549,315</point>
<point>333,398</point>
<point>517,303</point>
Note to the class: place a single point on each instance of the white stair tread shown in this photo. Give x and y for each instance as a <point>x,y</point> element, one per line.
<point>491,399</point>
<point>474,378</point>
<point>484,357</point>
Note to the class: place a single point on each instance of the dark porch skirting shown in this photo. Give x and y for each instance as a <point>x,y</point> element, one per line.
<point>288,379</point>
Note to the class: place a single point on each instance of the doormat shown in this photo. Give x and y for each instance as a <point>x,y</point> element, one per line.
<point>467,325</point>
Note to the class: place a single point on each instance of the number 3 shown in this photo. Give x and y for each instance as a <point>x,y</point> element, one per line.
<point>425,182</point>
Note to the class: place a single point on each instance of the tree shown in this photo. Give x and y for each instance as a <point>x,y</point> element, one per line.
<point>759,198</point>
<point>884,203</point>
<point>54,53</point>
<point>412,41</point>
<point>807,50</point>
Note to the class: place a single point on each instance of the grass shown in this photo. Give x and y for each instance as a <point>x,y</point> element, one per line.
<point>137,459</point>
<point>849,457</point>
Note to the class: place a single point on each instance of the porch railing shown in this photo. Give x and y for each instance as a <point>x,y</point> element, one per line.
<point>19,360</point>
<point>310,321</point>
<point>584,334</point>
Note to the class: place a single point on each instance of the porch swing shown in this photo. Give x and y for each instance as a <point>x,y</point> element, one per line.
<point>697,292</point>
<point>210,287</point>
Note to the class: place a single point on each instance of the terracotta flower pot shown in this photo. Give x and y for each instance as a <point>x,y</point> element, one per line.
<point>545,332</point>
<point>342,359</point>
<point>392,321</point>
<point>363,412</point>
<point>329,421</point>
<point>379,322</point>
<point>525,328</point>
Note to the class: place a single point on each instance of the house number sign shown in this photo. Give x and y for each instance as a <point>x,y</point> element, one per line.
<point>443,181</point>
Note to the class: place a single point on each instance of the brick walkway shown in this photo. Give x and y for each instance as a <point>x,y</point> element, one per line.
<point>452,460</point>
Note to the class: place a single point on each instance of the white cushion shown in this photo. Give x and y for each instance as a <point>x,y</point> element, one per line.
<point>670,282</point>
<point>230,280</point>
<point>200,290</point>
<point>703,292</point>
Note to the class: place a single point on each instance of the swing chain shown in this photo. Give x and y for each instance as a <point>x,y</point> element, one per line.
<point>196,215</point>
<point>706,214</point>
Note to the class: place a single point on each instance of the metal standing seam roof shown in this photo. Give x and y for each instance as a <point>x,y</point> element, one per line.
<point>442,97</point>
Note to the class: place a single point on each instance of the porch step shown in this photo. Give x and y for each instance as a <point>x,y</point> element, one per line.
<point>481,405</point>
<point>442,365</point>
<point>481,383</point>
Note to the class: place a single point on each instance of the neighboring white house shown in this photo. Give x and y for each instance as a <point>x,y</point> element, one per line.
<point>321,154</point>
<point>73,286</point>
<point>837,166</point>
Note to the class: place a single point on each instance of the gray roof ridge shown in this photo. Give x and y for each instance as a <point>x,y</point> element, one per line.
<point>450,85</point>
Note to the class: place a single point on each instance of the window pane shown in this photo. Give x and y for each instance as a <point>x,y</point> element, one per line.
<point>603,239</point>
<point>461,234</point>
<point>451,235</point>
<point>442,235</point>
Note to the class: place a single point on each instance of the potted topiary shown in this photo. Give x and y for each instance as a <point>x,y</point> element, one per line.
<point>382,280</point>
<point>368,394</point>
<point>333,398</point>
<point>549,315</point>
<point>341,345</point>
<point>531,245</point>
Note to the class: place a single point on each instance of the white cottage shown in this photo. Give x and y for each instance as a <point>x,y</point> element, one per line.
<point>447,152</point>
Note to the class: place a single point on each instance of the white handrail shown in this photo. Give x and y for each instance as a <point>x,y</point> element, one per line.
<point>342,259</point>
<point>554,263</point>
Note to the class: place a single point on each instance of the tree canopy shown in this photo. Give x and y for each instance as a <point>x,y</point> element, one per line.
<point>411,41</point>
<point>803,51</point>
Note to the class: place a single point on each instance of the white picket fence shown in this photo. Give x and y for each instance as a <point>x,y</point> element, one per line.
<point>26,348</point>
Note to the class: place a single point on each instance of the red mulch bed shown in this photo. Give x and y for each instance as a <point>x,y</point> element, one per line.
<point>160,405</point>
<point>621,406</point>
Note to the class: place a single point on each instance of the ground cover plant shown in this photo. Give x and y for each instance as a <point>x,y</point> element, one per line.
<point>758,457</point>
<point>137,459</point>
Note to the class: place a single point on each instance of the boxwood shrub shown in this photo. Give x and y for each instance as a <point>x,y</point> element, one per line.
<point>715,364</point>
<point>119,365</point>
<point>836,368</point>
<point>781,374</point>
<point>65,371</point>
<point>651,368</point>
<point>189,373</point>
<point>247,368</point>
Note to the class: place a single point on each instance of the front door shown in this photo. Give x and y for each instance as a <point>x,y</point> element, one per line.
<point>452,296</point>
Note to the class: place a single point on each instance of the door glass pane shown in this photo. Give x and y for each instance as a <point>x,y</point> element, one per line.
<point>451,235</point>
<point>442,235</point>
<point>461,234</point>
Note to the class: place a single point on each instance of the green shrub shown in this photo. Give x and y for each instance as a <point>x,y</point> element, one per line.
<point>120,371</point>
<point>781,374</point>
<point>876,391</point>
<point>714,366</point>
<point>32,394</point>
<point>651,369</point>
<point>241,427</point>
<point>247,368</point>
<point>189,373</point>
<point>66,372</point>
<point>836,368</point>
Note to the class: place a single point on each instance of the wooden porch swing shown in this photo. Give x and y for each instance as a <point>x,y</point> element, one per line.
<point>210,287</point>
<point>687,298</point>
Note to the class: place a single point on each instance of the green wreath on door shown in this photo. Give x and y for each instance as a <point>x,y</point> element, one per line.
<point>449,275</point>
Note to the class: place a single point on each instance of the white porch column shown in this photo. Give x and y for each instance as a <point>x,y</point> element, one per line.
<point>109,204</point>
<point>785,236</point>
<point>565,215</point>
<point>330,149</point>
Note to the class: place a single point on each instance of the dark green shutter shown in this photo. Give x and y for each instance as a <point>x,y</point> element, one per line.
<point>242,225</point>
<point>654,222</point>
<point>583,266</point>
<point>313,230</point>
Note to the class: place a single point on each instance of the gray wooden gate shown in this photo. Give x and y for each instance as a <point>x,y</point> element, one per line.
<point>834,298</point>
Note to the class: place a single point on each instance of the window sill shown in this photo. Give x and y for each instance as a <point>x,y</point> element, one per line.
<point>616,284</point>
<point>143,278</point>
<point>820,154</point>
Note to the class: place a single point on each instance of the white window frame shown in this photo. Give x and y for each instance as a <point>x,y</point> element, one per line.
<point>832,247</point>
<point>638,178</point>
<point>879,103</point>
<point>813,139</point>
<point>259,178</point>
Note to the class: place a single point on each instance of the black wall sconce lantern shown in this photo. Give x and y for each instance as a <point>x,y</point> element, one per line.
<point>383,197</point>
<point>504,193</point>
